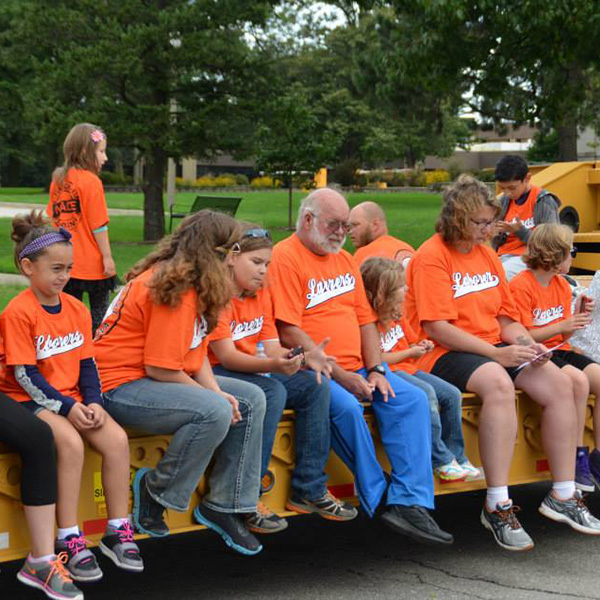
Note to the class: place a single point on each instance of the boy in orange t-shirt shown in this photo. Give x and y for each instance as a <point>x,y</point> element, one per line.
<point>318,292</point>
<point>523,207</point>
<point>544,300</point>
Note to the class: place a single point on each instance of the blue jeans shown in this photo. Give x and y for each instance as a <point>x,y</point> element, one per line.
<point>405,430</point>
<point>200,423</point>
<point>445,400</point>
<point>311,438</point>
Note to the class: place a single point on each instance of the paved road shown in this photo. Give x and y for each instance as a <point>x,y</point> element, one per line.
<point>317,560</point>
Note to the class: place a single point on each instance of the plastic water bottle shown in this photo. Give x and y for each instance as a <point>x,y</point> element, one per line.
<point>260,353</point>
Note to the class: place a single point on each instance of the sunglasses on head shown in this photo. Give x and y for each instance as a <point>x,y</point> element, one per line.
<point>573,252</point>
<point>256,233</point>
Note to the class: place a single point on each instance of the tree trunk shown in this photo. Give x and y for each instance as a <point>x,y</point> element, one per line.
<point>567,141</point>
<point>154,212</point>
<point>290,194</point>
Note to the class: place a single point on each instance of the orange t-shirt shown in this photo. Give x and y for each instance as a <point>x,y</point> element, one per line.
<point>322,295</point>
<point>55,343</point>
<point>397,337</point>
<point>513,244</point>
<point>246,321</point>
<point>468,290</point>
<point>79,206</point>
<point>139,332</point>
<point>385,245</point>
<point>540,306</point>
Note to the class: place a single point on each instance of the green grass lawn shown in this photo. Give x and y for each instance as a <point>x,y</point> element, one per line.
<point>411,217</point>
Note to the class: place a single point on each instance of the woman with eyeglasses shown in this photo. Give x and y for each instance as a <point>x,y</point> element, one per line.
<point>458,296</point>
<point>247,322</point>
<point>544,301</point>
<point>151,353</point>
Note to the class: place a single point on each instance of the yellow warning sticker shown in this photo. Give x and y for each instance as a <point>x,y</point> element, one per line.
<point>98,489</point>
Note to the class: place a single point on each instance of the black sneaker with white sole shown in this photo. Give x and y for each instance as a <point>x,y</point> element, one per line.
<point>119,546</point>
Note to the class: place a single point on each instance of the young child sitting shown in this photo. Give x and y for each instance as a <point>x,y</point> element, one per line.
<point>384,284</point>
<point>543,297</point>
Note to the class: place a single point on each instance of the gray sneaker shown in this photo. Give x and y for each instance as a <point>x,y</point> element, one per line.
<point>50,577</point>
<point>573,512</point>
<point>505,527</point>
<point>264,520</point>
<point>82,565</point>
<point>119,546</point>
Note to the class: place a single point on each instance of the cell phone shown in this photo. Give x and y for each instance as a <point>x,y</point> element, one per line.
<point>296,351</point>
<point>581,301</point>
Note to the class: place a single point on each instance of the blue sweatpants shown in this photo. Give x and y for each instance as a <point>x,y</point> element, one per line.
<point>405,429</point>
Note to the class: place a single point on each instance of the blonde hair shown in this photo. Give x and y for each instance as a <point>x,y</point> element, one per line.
<point>382,280</point>
<point>193,257</point>
<point>79,150</point>
<point>461,200</point>
<point>548,246</point>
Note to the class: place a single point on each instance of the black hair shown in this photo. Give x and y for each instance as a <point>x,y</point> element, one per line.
<point>511,167</point>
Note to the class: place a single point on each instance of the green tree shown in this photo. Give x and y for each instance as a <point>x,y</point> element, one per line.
<point>167,77</point>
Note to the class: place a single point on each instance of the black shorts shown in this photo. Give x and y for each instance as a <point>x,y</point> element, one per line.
<point>32,406</point>
<point>457,367</point>
<point>562,358</point>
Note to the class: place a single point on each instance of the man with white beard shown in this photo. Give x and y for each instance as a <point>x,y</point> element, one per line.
<point>317,293</point>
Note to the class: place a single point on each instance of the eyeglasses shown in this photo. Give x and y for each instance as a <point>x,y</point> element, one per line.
<point>256,233</point>
<point>573,252</point>
<point>333,225</point>
<point>483,224</point>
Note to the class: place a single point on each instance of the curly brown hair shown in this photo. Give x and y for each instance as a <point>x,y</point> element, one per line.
<point>29,227</point>
<point>461,200</point>
<point>383,278</point>
<point>79,150</point>
<point>193,257</point>
<point>548,246</point>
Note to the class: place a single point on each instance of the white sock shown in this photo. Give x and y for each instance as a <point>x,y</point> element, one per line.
<point>495,496</point>
<point>563,490</point>
<point>41,559</point>
<point>67,531</point>
<point>116,523</point>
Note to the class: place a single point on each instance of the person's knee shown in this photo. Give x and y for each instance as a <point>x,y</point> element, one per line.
<point>41,440</point>
<point>70,444</point>
<point>499,388</point>
<point>581,385</point>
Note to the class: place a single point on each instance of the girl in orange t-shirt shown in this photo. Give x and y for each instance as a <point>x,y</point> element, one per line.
<point>384,284</point>
<point>77,203</point>
<point>458,295</point>
<point>544,299</point>
<point>48,365</point>
<point>156,377</point>
<point>246,322</point>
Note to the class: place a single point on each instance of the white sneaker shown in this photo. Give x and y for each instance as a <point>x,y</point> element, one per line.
<point>451,472</point>
<point>473,473</point>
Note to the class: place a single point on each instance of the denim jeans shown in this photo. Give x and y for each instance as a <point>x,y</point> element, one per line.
<point>311,439</point>
<point>405,429</point>
<point>200,423</point>
<point>445,400</point>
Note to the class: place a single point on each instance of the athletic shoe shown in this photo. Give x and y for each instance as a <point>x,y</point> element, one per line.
<point>263,520</point>
<point>573,512</point>
<point>51,577</point>
<point>327,506</point>
<point>119,546</point>
<point>416,523</point>
<point>473,473</point>
<point>230,526</point>
<point>81,562</point>
<point>504,525</point>
<point>595,466</point>
<point>147,512</point>
<point>450,473</point>
<point>583,476</point>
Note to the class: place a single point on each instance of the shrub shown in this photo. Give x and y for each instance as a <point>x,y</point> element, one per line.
<point>416,178</point>
<point>265,181</point>
<point>436,176</point>
<point>241,179</point>
<point>346,173</point>
<point>110,178</point>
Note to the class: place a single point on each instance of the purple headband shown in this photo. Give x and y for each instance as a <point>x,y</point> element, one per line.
<point>62,235</point>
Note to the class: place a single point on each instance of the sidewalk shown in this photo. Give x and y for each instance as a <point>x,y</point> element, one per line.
<point>11,209</point>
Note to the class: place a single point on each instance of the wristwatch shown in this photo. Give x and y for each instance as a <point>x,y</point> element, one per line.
<point>376,369</point>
